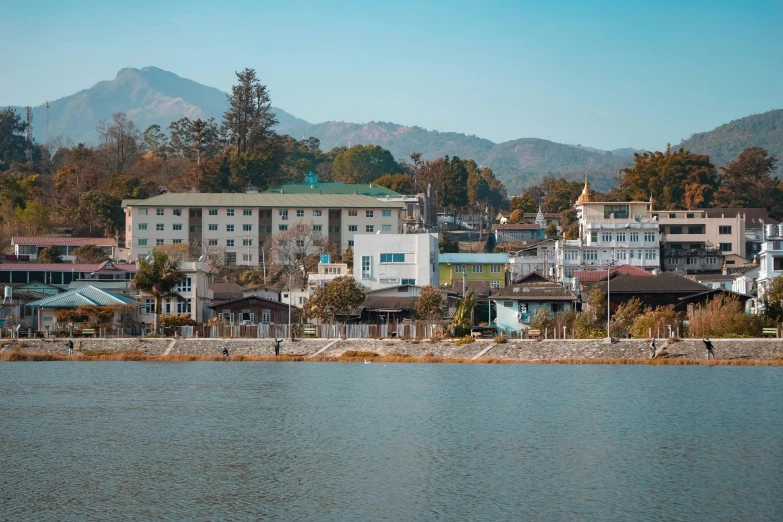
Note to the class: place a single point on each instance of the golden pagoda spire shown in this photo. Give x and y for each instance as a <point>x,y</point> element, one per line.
<point>585,196</point>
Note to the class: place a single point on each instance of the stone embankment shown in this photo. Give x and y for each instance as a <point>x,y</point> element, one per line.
<point>525,350</point>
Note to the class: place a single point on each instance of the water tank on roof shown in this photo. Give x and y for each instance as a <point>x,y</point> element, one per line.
<point>780,230</point>
<point>770,230</point>
<point>9,293</point>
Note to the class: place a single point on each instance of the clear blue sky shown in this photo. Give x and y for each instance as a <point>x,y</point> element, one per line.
<point>605,74</point>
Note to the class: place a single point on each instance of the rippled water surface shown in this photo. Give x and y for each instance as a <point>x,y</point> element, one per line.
<point>320,441</point>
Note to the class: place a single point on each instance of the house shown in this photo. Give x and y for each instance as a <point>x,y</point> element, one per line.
<point>756,219</point>
<point>13,310</point>
<point>770,261</point>
<point>610,233</point>
<point>546,218</point>
<point>745,277</point>
<point>489,269</point>
<point>534,257</point>
<point>265,292</point>
<point>28,248</point>
<point>697,239</point>
<point>518,232</point>
<point>386,260</point>
<point>719,280</point>
<point>518,303</point>
<point>326,272</point>
<point>46,309</point>
<point>195,295</point>
<point>61,275</point>
<point>222,292</point>
<point>238,224</point>
<point>254,310</point>
<point>380,309</point>
<point>582,281</point>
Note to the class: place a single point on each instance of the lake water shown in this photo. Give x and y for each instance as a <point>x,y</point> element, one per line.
<point>338,441</point>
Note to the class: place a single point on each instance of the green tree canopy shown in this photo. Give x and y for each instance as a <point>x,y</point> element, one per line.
<point>49,255</point>
<point>336,298</point>
<point>158,278</point>
<point>363,164</point>
<point>455,180</point>
<point>90,254</point>
<point>402,183</point>
<point>748,182</point>
<point>430,303</point>
<point>12,140</point>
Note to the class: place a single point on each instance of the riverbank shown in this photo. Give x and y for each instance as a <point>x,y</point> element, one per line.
<point>580,351</point>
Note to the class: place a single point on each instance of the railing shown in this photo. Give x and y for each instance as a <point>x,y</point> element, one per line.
<point>418,330</point>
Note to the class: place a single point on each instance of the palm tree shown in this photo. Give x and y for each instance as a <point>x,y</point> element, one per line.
<point>158,277</point>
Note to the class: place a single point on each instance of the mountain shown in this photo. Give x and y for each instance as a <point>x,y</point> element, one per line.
<point>148,96</point>
<point>725,142</point>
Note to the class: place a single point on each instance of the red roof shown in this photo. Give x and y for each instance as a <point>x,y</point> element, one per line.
<point>591,276</point>
<point>65,267</point>
<point>46,241</point>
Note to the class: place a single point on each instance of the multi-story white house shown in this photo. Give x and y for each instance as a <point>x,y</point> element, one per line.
<point>620,233</point>
<point>195,292</point>
<point>238,224</point>
<point>536,257</point>
<point>770,261</point>
<point>386,260</point>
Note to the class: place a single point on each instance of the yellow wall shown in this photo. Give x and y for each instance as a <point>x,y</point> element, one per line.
<point>448,271</point>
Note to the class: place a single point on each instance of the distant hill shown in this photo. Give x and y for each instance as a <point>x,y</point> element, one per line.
<point>725,142</point>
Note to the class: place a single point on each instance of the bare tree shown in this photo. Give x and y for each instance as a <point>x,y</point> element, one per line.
<point>120,139</point>
<point>296,250</point>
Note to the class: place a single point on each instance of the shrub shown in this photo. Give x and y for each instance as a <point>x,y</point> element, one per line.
<point>436,339</point>
<point>354,353</point>
<point>465,340</point>
<point>177,320</point>
<point>585,329</point>
<point>724,317</point>
<point>655,320</point>
<point>542,320</point>
<point>624,317</point>
<point>500,339</point>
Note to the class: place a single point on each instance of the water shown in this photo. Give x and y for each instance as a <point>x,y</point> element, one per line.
<point>300,441</point>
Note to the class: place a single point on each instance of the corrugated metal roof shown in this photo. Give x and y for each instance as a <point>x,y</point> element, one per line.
<point>537,291</point>
<point>382,302</point>
<point>333,188</point>
<point>88,295</point>
<point>665,283</point>
<point>475,259</point>
<point>63,267</point>
<point>591,276</point>
<point>63,241</point>
<point>202,199</point>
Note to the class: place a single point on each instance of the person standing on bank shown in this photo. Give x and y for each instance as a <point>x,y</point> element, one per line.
<point>653,349</point>
<point>710,350</point>
<point>69,344</point>
<point>277,346</point>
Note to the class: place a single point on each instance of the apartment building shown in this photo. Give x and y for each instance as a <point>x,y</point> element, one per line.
<point>483,273</point>
<point>195,292</point>
<point>387,260</point>
<point>616,233</point>
<point>535,257</point>
<point>770,260</point>
<point>238,224</point>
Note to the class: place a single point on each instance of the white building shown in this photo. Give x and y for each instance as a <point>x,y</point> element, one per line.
<point>386,260</point>
<point>28,248</point>
<point>195,292</point>
<point>770,260</point>
<point>238,224</point>
<point>537,257</point>
<point>621,233</point>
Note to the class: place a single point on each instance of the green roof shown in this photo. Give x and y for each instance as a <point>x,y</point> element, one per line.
<point>87,295</point>
<point>363,189</point>
<point>228,199</point>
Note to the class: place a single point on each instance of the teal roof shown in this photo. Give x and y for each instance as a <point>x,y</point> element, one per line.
<point>473,259</point>
<point>87,295</point>
<point>362,189</point>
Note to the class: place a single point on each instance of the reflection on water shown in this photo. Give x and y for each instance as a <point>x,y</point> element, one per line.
<point>115,441</point>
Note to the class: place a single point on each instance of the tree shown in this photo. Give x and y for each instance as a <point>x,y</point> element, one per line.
<point>119,139</point>
<point>447,246</point>
<point>463,316</point>
<point>249,122</point>
<point>623,318</point>
<point>748,182</point>
<point>523,203</point>
<point>339,296</point>
<point>179,252</point>
<point>158,278</point>
<point>90,254</point>
<point>455,180</point>
<point>194,139</point>
<point>401,183</point>
<point>101,211</point>
<point>49,255</point>
<point>363,164</point>
<point>155,141</point>
<point>596,302</point>
<point>430,303</point>
<point>12,139</point>
<point>773,300</point>
<point>291,249</point>
<point>550,230</point>
<point>34,217</point>
<point>347,258</point>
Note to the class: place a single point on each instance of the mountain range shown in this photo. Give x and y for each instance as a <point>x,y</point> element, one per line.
<point>153,96</point>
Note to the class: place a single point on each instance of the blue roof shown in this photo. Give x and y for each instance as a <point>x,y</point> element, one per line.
<point>474,259</point>
<point>86,295</point>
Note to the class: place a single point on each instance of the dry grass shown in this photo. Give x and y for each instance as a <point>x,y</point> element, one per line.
<point>29,356</point>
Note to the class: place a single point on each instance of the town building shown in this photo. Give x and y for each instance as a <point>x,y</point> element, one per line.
<point>13,310</point>
<point>253,310</point>
<point>222,292</point>
<point>537,256</point>
<point>518,303</point>
<point>195,296</point>
<point>770,261</point>
<point>28,248</point>
<point>238,224</point>
<point>489,269</point>
<point>755,221</point>
<point>521,232</point>
<point>46,309</point>
<point>610,233</point>
<point>61,275</point>
<point>387,260</point>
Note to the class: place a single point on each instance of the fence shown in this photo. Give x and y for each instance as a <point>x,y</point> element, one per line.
<point>418,330</point>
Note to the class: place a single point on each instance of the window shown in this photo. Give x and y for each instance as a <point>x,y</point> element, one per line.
<point>129,228</point>
<point>634,237</point>
<point>621,236</point>
<point>142,211</point>
<point>392,258</point>
<point>282,228</point>
<point>159,242</point>
<point>247,257</point>
<point>318,228</point>
<point>620,255</point>
<point>247,212</point>
<point>366,267</point>
<point>651,254</point>
<point>590,255</point>
<point>674,229</point>
<point>478,269</point>
<point>177,211</point>
<point>269,230</point>
<point>353,228</point>
<point>247,242</point>
<point>158,211</point>
<point>192,229</point>
<point>619,211</point>
<point>508,304</point>
<point>176,241</point>
<point>494,269</point>
<point>159,226</point>
<point>266,316</point>
<point>212,242</point>
<point>460,269</point>
<point>229,228</point>
<point>149,306</point>
<point>183,307</point>
<point>594,236</point>
<point>168,307</point>
<point>606,236</point>
<point>229,211</point>
<point>672,216</point>
<point>283,214</point>
<point>177,227</point>
<point>494,284</point>
<point>352,213</point>
<point>247,228</point>
<point>142,226</point>
<point>724,230</point>
<point>385,228</point>
<point>695,246</point>
<point>692,261</point>
<point>725,247</point>
<point>213,227</point>
<point>689,216</point>
<point>229,242</point>
<point>317,213</point>
<point>369,228</point>
<point>350,243</point>
<point>186,285</point>
<point>696,229</point>
<point>386,213</point>
<point>570,255</point>
<point>407,281</point>
<point>649,236</point>
<point>300,213</point>
<point>368,213</point>
<point>777,263</point>
<point>212,212</point>
<point>231,258</point>
<point>142,242</point>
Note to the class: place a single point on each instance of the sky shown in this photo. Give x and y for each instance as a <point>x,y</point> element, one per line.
<point>605,74</point>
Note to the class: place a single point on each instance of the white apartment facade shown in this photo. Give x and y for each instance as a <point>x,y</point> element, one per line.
<point>539,257</point>
<point>770,260</point>
<point>388,260</point>
<point>194,291</point>
<point>238,224</point>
